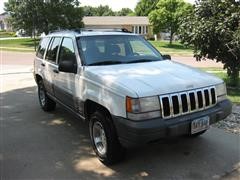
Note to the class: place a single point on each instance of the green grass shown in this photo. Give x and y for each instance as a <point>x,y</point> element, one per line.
<point>164,47</point>
<point>176,48</point>
<point>26,44</point>
<point>233,92</point>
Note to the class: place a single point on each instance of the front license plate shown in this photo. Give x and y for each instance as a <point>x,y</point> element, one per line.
<point>199,125</point>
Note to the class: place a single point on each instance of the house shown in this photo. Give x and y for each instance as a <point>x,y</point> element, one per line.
<point>136,24</point>
<point>4,25</point>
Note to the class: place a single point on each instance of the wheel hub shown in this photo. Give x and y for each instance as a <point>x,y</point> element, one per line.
<point>42,95</point>
<point>99,138</point>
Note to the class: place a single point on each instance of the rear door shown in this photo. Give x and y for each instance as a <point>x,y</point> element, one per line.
<point>39,63</point>
<point>51,64</point>
<point>64,84</point>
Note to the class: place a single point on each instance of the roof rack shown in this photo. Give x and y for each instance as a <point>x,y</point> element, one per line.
<point>66,30</point>
<point>107,30</point>
<point>79,30</point>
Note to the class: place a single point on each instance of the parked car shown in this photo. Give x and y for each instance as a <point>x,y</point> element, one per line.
<point>128,92</point>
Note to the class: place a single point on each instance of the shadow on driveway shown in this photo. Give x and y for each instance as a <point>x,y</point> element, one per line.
<point>39,145</point>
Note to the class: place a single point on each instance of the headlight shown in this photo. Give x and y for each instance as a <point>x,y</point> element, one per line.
<point>221,89</point>
<point>221,92</point>
<point>143,108</point>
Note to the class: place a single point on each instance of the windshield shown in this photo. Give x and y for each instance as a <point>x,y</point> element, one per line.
<point>116,49</point>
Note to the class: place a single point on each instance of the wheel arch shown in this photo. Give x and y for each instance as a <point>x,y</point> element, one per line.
<point>92,106</point>
<point>38,78</point>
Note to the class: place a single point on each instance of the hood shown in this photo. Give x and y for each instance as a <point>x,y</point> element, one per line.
<point>153,78</point>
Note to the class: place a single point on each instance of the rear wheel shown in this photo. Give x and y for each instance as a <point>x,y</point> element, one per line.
<point>46,103</point>
<point>104,139</point>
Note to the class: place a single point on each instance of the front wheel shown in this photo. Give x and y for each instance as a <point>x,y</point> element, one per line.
<point>46,103</point>
<point>104,139</point>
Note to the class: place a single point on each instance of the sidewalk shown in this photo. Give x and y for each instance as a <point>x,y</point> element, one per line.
<point>8,38</point>
<point>14,48</point>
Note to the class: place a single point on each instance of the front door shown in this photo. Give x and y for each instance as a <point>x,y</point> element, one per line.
<point>64,85</point>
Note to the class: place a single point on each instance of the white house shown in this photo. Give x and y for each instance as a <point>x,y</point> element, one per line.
<point>136,24</point>
<point>4,25</point>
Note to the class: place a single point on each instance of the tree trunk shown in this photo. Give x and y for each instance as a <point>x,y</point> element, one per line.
<point>171,38</point>
<point>233,74</point>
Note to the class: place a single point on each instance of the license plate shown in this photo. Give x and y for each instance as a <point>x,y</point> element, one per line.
<point>199,125</point>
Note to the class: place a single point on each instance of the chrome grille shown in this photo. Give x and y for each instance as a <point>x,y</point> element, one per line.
<point>177,104</point>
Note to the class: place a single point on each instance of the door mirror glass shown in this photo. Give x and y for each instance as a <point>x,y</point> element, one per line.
<point>67,66</point>
<point>166,57</point>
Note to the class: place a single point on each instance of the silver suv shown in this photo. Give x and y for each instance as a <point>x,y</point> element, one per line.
<point>125,89</point>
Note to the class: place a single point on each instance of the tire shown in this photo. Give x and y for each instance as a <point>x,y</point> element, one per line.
<point>46,103</point>
<point>104,139</point>
<point>197,134</point>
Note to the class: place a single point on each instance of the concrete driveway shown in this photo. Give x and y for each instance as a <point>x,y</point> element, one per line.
<point>39,145</point>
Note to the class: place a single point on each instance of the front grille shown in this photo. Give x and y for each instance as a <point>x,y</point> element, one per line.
<point>186,102</point>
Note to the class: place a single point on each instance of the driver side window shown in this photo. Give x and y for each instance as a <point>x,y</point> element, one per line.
<point>67,52</point>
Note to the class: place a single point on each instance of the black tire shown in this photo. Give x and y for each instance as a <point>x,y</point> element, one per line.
<point>114,151</point>
<point>197,134</point>
<point>46,103</point>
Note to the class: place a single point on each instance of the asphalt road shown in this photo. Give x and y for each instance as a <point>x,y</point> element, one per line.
<point>39,145</point>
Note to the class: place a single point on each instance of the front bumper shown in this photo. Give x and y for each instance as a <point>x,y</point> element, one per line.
<point>134,133</point>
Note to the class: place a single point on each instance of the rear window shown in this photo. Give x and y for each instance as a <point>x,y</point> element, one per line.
<point>52,49</point>
<point>42,47</point>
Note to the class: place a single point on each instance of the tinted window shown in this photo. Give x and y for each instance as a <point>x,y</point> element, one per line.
<point>42,47</point>
<point>67,51</point>
<point>52,49</point>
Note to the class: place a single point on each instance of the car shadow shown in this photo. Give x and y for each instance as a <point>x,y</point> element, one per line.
<point>56,145</point>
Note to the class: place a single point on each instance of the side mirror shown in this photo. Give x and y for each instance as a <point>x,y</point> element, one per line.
<point>67,66</point>
<point>166,56</point>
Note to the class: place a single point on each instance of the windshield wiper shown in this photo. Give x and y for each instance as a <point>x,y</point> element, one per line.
<point>141,60</point>
<point>105,63</point>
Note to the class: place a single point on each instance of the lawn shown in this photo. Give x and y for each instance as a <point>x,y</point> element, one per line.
<point>175,49</point>
<point>233,92</point>
<point>25,44</point>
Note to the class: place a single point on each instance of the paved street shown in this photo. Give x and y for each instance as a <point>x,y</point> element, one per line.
<point>39,145</point>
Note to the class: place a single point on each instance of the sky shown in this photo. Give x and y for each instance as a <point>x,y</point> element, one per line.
<point>114,4</point>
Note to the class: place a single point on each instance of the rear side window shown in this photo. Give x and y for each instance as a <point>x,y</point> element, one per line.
<point>53,49</point>
<point>67,51</point>
<point>42,47</point>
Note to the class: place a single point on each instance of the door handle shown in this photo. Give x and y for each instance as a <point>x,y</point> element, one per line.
<point>55,71</point>
<point>42,64</point>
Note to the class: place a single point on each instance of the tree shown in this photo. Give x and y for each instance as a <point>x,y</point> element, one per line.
<point>124,12</point>
<point>104,11</point>
<point>144,7</point>
<point>44,15</point>
<point>168,15</point>
<point>89,11</point>
<point>214,31</point>
<point>98,11</point>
